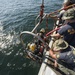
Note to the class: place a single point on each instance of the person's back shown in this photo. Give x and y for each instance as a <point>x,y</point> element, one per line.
<point>68,57</point>
<point>68,30</point>
<point>66,53</point>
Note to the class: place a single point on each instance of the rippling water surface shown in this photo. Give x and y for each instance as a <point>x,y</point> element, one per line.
<point>17,16</point>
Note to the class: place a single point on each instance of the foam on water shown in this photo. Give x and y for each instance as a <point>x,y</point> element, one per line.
<point>6,40</point>
<point>17,16</point>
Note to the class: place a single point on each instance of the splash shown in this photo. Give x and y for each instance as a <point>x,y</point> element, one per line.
<point>8,39</point>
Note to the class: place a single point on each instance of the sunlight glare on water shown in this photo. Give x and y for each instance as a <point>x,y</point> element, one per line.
<point>17,16</point>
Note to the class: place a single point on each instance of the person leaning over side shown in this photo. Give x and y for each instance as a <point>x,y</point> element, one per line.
<point>65,4</point>
<point>63,52</point>
<point>68,2</point>
<point>68,30</point>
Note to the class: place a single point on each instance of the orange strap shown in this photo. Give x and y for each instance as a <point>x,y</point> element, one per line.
<point>52,31</point>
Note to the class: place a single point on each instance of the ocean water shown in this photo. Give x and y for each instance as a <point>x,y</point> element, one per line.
<point>17,16</point>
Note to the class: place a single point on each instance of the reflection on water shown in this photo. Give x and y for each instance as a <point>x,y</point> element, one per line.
<point>17,16</point>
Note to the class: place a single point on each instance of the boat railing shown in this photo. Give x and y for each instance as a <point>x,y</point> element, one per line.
<point>45,66</point>
<point>36,26</point>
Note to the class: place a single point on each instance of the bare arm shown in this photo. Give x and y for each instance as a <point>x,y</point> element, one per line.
<point>56,35</point>
<point>52,54</point>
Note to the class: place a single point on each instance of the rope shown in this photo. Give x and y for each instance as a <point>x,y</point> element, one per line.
<point>42,9</point>
<point>65,8</point>
<point>52,31</point>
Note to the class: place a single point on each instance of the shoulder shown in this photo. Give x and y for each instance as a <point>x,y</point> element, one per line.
<point>61,55</point>
<point>65,27</point>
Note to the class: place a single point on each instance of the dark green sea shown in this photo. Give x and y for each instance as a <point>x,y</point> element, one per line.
<point>17,16</point>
